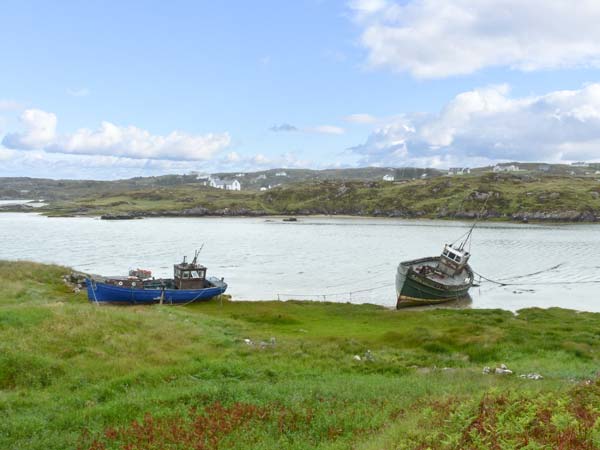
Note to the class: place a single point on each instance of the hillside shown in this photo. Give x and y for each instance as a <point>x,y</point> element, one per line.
<point>49,189</point>
<point>285,177</point>
<point>499,196</point>
<point>287,375</point>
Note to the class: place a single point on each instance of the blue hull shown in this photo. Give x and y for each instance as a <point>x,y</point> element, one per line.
<point>105,293</point>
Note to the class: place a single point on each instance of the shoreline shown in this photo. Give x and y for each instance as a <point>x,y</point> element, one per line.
<point>538,218</point>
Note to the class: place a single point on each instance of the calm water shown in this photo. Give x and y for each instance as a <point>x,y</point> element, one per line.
<point>321,258</point>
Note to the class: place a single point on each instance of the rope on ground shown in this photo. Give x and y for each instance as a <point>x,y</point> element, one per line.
<point>324,296</point>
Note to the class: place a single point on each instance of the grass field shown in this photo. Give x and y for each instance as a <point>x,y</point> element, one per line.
<point>499,196</point>
<point>266,375</point>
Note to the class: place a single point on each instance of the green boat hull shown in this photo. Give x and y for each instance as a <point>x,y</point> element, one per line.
<point>414,289</point>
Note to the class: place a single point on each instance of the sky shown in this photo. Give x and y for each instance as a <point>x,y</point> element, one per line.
<point>107,89</point>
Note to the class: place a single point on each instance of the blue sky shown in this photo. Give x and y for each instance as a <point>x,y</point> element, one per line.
<point>117,89</point>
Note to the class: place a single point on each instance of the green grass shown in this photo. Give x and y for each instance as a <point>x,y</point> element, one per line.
<point>501,196</point>
<point>74,375</point>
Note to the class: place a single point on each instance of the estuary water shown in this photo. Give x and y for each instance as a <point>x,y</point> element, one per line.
<point>322,258</point>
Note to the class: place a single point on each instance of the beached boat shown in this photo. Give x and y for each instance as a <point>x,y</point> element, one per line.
<point>189,284</point>
<point>436,279</point>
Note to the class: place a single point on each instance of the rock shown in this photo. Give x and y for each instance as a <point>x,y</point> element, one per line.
<point>486,370</point>
<point>532,376</point>
<point>356,358</point>
<point>595,194</point>
<point>272,341</point>
<point>369,356</point>
<point>503,366</point>
<point>248,342</point>
<point>476,195</point>
<point>501,371</point>
<point>197,211</point>
<point>123,216</point>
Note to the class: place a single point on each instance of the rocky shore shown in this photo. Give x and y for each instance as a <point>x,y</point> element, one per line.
<point>521,216</point>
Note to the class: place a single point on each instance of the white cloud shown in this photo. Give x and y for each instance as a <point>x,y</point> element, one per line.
<point>113,140</point>
<point>40,130</point>
<point>486,125</point>
<point>360,118</point>
<point>80,92</point>
<point>326,129</point>
<point>439,38</point>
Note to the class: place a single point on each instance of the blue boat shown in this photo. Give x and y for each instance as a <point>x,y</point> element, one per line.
<point>188,285</point>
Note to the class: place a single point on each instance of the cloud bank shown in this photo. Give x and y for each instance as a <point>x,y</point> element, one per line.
<point>112,140</point>
<point>486,125</point>
<point>440,38</point>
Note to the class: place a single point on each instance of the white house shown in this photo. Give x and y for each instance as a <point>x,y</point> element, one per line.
<point>510,168</point>
<point>388,177</point>
<point>281,174</point>
<point>261,177</point>
<point>580,164</point>
<point>458,171</point>
<point>228,185</point>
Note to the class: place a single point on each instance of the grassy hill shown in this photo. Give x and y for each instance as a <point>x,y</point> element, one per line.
<point>53,190</point>
<point>502,196</point>
<point>287,375</point>
<point>286,177</point>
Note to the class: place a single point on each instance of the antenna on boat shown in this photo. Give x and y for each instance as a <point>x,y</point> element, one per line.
<point>197,253</point>
<point>466,238</point>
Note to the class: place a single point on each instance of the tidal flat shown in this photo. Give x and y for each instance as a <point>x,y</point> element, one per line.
<point>293,375</point>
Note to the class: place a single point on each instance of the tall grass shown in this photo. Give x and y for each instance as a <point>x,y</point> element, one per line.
<point>74,375</point>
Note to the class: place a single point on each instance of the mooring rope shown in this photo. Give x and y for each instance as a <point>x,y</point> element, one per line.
<point>324,296</point>
<point>534,283</point>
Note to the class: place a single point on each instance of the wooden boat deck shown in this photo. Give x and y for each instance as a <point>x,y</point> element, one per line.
<point>436,276</point>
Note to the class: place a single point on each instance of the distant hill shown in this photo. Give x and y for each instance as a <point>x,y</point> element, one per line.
<point>283,177</point>
<point>523,195</point>
<point>48,189</point>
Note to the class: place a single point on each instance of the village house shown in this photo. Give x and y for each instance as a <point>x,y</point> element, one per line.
<point>458,171</point>
<point>281,174</point>
<point>388,177</point>
<point>228,185</point>
<point>502,168</point>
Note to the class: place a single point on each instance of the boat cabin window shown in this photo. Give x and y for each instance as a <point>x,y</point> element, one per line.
<point>451,255</point>
<point>195,274</point>
<point>186,274</point>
